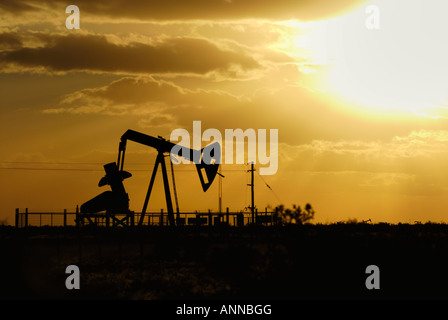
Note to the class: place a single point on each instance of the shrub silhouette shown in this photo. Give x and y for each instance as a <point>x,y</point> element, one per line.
<point>295,215</point>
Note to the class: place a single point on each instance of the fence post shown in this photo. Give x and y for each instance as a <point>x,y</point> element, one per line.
<point>26,217</point>
<point>227,216</point>
<point>65,217</point>
<point>161,217</point>
<point>76,216</point>
<point>17,217</point>
<point>275,219</point>
<point>240,220</point>
<point>210,222</point>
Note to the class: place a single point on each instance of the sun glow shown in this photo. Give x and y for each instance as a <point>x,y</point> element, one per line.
<point>397,69</point>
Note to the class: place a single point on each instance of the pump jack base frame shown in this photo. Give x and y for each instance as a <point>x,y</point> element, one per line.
<point>92,219</point>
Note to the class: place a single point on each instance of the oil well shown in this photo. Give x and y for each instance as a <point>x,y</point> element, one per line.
<point>111,207</point>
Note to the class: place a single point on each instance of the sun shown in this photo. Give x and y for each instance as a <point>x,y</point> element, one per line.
<point>399,68</point>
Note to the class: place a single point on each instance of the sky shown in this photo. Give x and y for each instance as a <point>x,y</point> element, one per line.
<point>356,89</point>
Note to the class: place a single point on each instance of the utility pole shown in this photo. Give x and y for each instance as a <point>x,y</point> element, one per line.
<point>220,191</point>
<point>252,206</point>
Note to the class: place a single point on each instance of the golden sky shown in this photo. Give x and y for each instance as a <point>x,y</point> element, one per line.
<point>361,113</point>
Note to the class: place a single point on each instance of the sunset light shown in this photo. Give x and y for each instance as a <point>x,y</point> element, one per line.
<point>398,68</point>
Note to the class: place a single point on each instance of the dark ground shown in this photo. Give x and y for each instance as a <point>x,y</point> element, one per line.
<point>293,262</point>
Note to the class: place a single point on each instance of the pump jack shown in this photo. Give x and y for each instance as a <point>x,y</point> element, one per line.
<point>206,160</point>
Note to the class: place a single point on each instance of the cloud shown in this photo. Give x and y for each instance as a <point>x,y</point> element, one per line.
<point>157,120</point>
<point>300,114</point>
<point>421,152</point>
<point>267,108</point>
<point>16,6</point>
<point>420,143</point>
<point>141,93</point>
<point>411,165</point>
<point>156,104</point>
<point>96,53</point>
<point>196,9</point>
<point>10,40</point>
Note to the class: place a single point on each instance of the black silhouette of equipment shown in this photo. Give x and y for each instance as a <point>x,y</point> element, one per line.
<point>114,201</point>
<point>117,200</point>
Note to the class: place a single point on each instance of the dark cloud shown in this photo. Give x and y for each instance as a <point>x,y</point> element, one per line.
<point>17,6</point>
<point>96,53</point>
<point>142,96</point>
<point>301,114</point>
<point>10,40</point>
<point>201,9</point>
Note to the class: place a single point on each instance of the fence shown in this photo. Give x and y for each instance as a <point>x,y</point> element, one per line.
<point>65,218</point>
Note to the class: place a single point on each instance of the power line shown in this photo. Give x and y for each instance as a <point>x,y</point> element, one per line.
<point>64,163</point>
<point>89,163</point>
<point>269,187</point>
<point>97,170</point>
<point>46,164</point>
<point>49,169</point>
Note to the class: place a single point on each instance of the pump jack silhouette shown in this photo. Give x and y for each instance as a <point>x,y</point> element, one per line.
<point>117,200</point>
